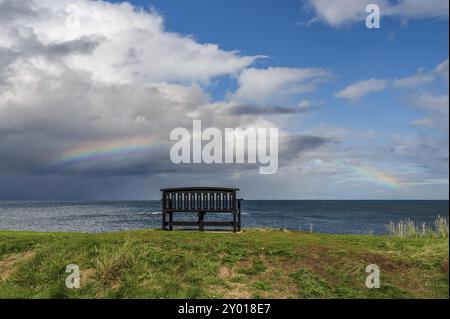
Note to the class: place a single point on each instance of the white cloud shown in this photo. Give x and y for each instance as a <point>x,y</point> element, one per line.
<point>418,8</point>
<point>305,104</point>
<point>442,70</point>
<point>338,13</point>
<point>131,44</point>
<point>357,90</point>
<point>423,77</point>
<point>418,79</point>
<point>261,84</point>
<point>437,108</point>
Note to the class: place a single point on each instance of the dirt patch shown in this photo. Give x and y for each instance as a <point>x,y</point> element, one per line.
<point>399,273</point>
<point>317,259</point>
<point>386,264</point>
<point>225,273</point>
<point>87,275</point>
<point>246,263</point>
<point>231,289</point>
<point>444,267</point>
<point>238,291</point>
<point>7,264</point>
<point>240,284</point>
<point>234,291</point>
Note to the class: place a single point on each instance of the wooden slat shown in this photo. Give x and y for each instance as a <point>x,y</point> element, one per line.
<point>192,195</point>
<point>211,201</point>
<point>181,223</point>
<point>186,201</point>
<point>178,223</point>
<point>200,201</point>
<point>205,201</point>
<point>219,201</point>
<point>225,201</point>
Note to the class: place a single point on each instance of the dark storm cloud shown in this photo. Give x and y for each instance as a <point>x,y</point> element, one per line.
<point>138,164</point>
<point>6,57</point>
<point>35,156</point>
<point>83,45</point>
<point>251,109</point>
<point>13,9</point>
<point>31,46</point>
<point>427,152</point>
<point>292,146</point>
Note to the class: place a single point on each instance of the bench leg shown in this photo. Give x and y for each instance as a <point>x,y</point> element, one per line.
<point>201,219</point>
<point>234,223</point>
<point>164,221</point>
<point>239,221</point>
<point>170,221</point>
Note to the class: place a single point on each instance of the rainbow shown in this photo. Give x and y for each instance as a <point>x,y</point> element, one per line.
<point>377,176</point>
<point>105,149</point>
<point>371,174</point>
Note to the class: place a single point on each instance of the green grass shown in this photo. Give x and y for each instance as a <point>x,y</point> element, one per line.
<point>252,264</point>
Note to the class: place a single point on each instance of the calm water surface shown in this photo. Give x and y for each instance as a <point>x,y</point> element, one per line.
<point>340,217</point>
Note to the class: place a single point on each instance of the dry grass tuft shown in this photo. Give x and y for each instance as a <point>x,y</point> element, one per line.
<point>409,229</point>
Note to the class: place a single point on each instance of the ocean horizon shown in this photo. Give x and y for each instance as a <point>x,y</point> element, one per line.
<point>321,216</point>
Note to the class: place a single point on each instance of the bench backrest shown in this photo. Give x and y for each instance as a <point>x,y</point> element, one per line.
<point>200,200</point>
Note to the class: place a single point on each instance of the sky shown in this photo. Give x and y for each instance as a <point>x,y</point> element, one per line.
<point>90,91</point>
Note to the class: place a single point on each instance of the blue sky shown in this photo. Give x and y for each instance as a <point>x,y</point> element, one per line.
<point>353,52</point>
<point>366,110</point>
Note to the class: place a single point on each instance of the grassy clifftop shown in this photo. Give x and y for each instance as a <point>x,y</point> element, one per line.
<point>255,263</point>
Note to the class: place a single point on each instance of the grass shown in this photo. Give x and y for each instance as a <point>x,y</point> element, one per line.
<point>251,264</point>
<point>409,229</point>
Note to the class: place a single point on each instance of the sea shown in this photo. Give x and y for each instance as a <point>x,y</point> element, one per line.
<point>321,216</point>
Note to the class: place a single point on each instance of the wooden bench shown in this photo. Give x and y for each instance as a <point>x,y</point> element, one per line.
<point>200,200</point>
